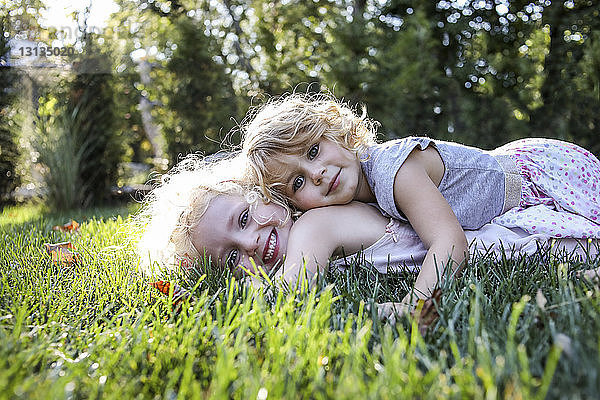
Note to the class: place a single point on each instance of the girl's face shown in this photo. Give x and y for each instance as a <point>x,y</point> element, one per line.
<point>325,174</point>
<point>232,231</point>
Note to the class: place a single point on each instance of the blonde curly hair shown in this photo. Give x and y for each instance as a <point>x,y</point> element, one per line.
<point>290,124</point>
<point>179,201</point>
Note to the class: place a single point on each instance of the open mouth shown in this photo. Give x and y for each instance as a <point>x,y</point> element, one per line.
<point>271,247</point>
<point>334,182</point>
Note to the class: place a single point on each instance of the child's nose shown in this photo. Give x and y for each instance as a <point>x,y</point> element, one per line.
<point>250,243</point>
<point>317,175</point>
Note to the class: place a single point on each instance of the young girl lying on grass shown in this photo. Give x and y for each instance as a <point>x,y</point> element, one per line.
<point>314,151</point>
<point>200,211</point>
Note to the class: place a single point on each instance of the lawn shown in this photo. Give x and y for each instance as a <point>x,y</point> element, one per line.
<point>511,328</point>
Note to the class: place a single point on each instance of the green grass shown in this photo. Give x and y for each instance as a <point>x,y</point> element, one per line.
<point>98,330</point>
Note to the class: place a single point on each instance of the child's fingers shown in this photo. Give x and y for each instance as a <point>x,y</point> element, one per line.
<point>390,311</point>
<point>591,274</point>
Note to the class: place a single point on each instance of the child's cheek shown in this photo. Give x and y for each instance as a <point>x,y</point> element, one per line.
<point>302,203</point>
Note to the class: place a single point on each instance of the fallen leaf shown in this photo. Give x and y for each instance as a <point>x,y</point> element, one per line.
<point>179,294</point>
<point>71,226</point>
<point>426,312</point>
<point>62,254</point>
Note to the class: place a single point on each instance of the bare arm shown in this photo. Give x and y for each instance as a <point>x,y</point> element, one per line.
<point>322,232</point>
<point>417,196</point>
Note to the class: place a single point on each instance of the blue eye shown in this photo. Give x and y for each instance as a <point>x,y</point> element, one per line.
<point>313,151</point>
<point>298,182</point>
<point>244,218</point>
<point>232,259</point>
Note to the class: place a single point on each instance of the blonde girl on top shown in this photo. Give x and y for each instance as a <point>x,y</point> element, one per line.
<point>314,151</point>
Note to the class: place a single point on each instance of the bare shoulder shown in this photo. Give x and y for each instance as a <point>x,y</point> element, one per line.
<point>322,232</point>
<point>350,226</point>
<point>334,216</point>
<point>428,160</point>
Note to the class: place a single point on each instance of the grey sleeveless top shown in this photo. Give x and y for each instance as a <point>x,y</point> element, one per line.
<point>479,185</point>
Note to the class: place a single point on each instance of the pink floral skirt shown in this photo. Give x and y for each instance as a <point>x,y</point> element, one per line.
<point>560,191</point>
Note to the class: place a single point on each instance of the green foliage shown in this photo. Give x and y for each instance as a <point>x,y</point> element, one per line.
<point>499,72</point>
<point>24,17</point>
<point>409,68</point>
<point>76,134</point>
<point>565,107</point>
<point>129,92</point>
<point>9,149</point>
<point>62,150</point>
<point>477,72</point>
<point>89,100</point>
<point>296,41</point>
<point>510,328</point>
<point>199,97</point>
<point>189,85</point>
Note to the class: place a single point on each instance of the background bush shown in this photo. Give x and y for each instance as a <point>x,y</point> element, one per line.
<point>63,150</point>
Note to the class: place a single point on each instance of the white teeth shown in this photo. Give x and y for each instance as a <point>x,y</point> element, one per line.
<point>271,249</point>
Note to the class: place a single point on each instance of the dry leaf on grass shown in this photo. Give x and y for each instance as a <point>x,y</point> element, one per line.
<point>71,226</point>
<point>62,254</point>
<point>179,294</point>
<point>426,312</point>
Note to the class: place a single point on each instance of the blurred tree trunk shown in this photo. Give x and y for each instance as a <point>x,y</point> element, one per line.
<point>150,128</point>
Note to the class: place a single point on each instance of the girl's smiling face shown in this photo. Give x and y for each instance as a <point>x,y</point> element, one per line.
<point>232,231</point>
<point>325,174</point>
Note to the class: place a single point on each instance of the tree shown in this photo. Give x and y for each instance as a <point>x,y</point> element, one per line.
<point>9,149</point>
<point>200,102</point>
<point>479,72</point>
<point>406,94</point>
<point>91,93</point>
<point>569,110</point>
<point>189,85</point>
<point>18,20</point>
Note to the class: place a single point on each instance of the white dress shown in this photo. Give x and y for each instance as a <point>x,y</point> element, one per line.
<point>401,249</point>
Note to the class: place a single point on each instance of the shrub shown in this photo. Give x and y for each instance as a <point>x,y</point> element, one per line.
<point>63,150</point>
<point>78,139</point>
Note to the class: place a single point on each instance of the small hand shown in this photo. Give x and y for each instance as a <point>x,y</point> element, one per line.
<point>592,274</point>
<point>390,311</point>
